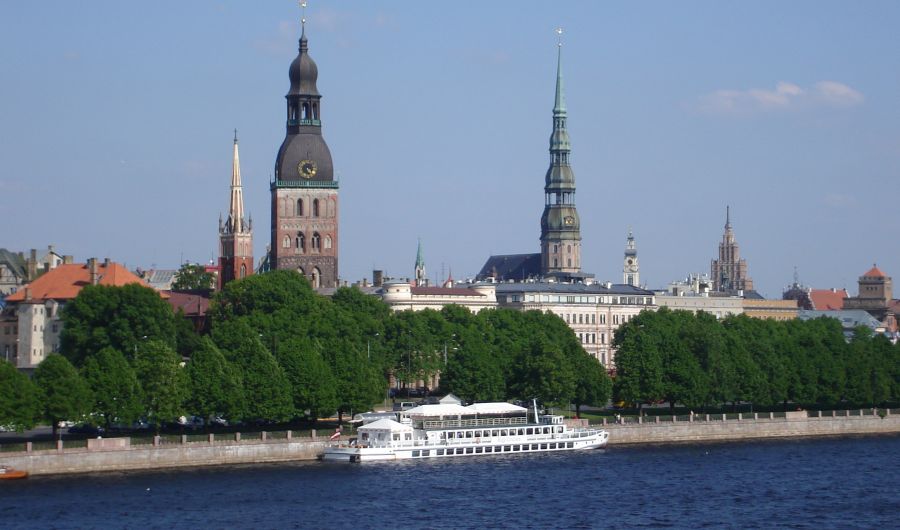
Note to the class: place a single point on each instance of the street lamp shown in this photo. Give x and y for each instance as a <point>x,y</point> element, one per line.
<point>369,348</point>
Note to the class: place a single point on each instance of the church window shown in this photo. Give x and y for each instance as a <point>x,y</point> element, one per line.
<point>315,209</point>
<point>569,261</point>
<point>301,242</point>
<point>580,318</point>
<point>315,115</point>
<point>316,278</point>
<point>243,271</point>
<point>555,249</point>
<point>555,262</point>
<point>286,242</point>
<point>316,242</point>
<point>327,242</point>
<point>299,207</point>
<point>569,249</point>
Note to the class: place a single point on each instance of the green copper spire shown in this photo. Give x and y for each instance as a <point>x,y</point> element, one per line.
<point>420,261</point>
<point>559,107</point>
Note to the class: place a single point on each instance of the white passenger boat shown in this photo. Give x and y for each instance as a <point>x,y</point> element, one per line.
<point>436,431</point>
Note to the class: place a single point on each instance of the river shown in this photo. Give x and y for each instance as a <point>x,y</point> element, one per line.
<point>803,483</point>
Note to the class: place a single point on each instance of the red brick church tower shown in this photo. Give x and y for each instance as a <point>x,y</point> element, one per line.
<point>236,233</point>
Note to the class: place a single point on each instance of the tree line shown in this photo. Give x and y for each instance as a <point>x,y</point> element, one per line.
<point>276,351</point>
<point>696,360</point>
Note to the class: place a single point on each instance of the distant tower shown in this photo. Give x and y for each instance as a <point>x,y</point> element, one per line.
<point>630,271</point>
<point>560,225</point>
<point>236,233</point>
<point>421,278</point>
<point>729,272</point>
<point>304,192</point>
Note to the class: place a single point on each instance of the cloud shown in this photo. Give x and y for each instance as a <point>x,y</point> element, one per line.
<point>785,96</point>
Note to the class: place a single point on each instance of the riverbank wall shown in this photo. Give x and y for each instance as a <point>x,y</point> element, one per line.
<point>122,454</point>
<point>733,427</point>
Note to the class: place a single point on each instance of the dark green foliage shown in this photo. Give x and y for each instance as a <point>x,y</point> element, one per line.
<point>187,339</point>
<point>695,360</point>
<point>193,277</point>
<point>592,385</point>
<point>20,399</point>
<point>473,372</point>
<point>118,317</point>
<point>547,374</point>
<point>216,387</point>
<point>64,394</point>
<point>163,380</point>
<point>118,397</point>
<point>313,387</point>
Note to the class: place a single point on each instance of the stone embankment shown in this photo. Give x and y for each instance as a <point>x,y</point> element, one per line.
<point>728,427</point>
<point>119,454</point>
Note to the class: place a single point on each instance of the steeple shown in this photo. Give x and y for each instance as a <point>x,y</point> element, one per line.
<point>729,271</point>
<point>630,267</point>
<point>421,279</point>
<point>236,209</point>
<point>560,224</point>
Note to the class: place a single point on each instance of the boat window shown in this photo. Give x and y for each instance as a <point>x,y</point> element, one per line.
<point>495,432</point>
<point>477,434</point>
<point>503,432</point>
<point>396,437</point>
<point>569,444</point>
<point>449,435</point>
<point>440,452</point>
<point>459,434</point>
<point>515,448</point>
<point>426,452</point>
<point>415,453</point>
<point>521,432</point>
<point>478,449</point>
<point>546,430</point>
<point>469,450</point>
<point>529,431</point>
<point>407,436</point>
<point>543,446</point>
<point>468,434</point>
<point>559,429</point>
<point>459,450</point>
<point>488,449</point>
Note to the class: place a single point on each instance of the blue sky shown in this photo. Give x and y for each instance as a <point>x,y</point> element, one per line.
<point>116,121</point>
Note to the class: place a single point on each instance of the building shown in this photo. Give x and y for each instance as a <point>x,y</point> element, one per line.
<point>729,271</point>
<point>400,295</point>
<point>304,191</point>
<point>631,274</point>
<point>850,319</point>
<point>236,233</point>
<point>876,294</point>
<point>31,322</point>
<point>16,270</point>
<point>771,309</point>
<point>421,276</point>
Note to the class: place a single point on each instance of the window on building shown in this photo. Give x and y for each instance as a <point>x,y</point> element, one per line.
<point>327,242</point>
<point>301,242</point>
<point>315,209</point>
<point>243,270</point>
<point>603,338</point>
<point>316,243</point>
<point>299,207</point>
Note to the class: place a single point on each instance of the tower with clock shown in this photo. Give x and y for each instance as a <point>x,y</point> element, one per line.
<point>560,225</point>
<point>304,192</point>
<point>630,271</point>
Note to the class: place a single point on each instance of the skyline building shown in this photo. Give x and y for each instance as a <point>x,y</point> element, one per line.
<point>631,274</point>
<point>304,192</point>
<point>236,233</point>
<point>729,272</point>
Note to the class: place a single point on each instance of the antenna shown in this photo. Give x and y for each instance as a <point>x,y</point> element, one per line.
<point>559,32</point>
<point>303,13</point>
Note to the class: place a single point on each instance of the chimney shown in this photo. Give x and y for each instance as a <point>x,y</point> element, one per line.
<point>106,262</point>
<point>378,278</point>
<point>92,267</point>
<point>31,265</point>
<point>27,294</point>
<point>68,260</point>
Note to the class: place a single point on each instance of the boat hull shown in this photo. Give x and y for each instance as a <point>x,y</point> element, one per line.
<point>344,453</point>
<point>13,475</point>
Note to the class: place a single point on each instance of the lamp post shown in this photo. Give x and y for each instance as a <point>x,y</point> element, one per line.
<point>369,347</point>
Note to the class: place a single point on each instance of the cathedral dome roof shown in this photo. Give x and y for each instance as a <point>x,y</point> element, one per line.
<point>303,72</point>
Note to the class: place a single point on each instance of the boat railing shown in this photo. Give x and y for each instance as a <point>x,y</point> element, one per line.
<point>476,422</point>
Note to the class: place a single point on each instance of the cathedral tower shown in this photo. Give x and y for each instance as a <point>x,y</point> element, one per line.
<point>631,274</point>
<point>304,192</point>
<point>421,278</point>
<point>236,233</point>
<point>560,225</point>
<point>729,272</point>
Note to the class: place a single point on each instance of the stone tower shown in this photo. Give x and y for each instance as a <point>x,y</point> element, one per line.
<point>560,225</point>
<point>630,270</point>
<point>236,233</point>
<point>304,192</point>
<point>729,272</point>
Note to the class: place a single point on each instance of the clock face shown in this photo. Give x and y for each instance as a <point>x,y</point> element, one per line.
<point>307,169</point>
<point>629,261</point>
<point>569,221</point>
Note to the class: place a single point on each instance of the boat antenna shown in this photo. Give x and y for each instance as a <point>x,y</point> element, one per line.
<point>536,418</point>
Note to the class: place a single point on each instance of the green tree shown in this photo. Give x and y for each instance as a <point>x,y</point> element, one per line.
<point>592,385</point>
<point>266,387</point>
<point>313,385</point>
<point>639,364</point>
<point>546,374</point>
<point>216,387</point>
<point>119,317</point>
<point>64,394</point>
<point>20,399</point>
<point>472,372</point>
<point>118,397</point>
<point>163,381</point>
<point>193,277</point>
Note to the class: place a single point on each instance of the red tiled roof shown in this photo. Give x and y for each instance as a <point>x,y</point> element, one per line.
<point>444,291</point>
<point>875,271</point>
<point>66,281</point>
<point>191,304</point>
<point>828,299</point>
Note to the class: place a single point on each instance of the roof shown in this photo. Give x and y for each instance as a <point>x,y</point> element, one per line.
<point>828,299</point>
<point>14,261</point>
<point>581,288</point>
<point>384,424</point>
<point>850,318</point>
<point>67,280</point>
<point>192,304</point>
<point>511,267</point>
<point>444,409</point>
<point>451,398</point>
<point>496,408</point>
<point>445,291</point>
<point>874,272</point>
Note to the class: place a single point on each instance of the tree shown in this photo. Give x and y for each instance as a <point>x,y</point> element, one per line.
<point>472,372</point>
<point>592,385</point>
<point>313,387</point>
<point>163,381</point>
<point>216,387</point>
<point>193,277</point>
<point>266,387</point>
<point>546,374</point>
<point>64,394</point>
<point>118,397</point>
<point>119,317</point>
<point>20,399</point>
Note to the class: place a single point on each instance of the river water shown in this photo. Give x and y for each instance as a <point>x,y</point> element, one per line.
<point>808,483</point>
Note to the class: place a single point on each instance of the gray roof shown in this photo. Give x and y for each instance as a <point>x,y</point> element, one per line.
<point>15,262</point>
<point>580,288</point>
<point>850,318</point>
<point>511,267</point>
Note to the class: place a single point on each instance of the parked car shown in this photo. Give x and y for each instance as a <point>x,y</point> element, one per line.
<point>88,429</point>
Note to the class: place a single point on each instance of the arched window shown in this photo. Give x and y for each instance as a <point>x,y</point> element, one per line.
<point>316,278</point>
<point>316,242</point>
<point>299,207</point>
<point>305,113</point>
<point>301,242</point>
<point>327,242</point>
<point>243,270</point>
<point>315,211</point>
<point>286,242</point>
<point>315,111</point>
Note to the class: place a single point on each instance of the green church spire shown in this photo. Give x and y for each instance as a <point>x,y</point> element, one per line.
<point>559,107</point>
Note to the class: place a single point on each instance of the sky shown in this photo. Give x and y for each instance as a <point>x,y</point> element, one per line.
<point>117,118</point>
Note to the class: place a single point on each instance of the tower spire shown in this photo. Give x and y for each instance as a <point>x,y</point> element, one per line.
<point>421,279</point>
<point>236,209</point>
<point>727,217</point>
<point>559,106</point>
